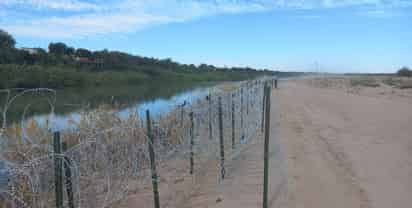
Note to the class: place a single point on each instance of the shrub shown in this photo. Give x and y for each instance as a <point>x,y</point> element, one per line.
<point>365,82</point>
<point>405,72</point>
<point>390,81</point>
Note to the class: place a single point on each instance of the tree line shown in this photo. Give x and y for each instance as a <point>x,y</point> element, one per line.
<point>62,66</point>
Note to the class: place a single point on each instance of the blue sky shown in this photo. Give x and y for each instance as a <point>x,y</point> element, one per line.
<point>306,35</point>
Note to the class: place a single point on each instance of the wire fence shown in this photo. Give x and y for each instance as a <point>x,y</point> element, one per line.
<point>141,160</point>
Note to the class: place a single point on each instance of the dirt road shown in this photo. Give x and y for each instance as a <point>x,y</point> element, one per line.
<point>330,148</point>
<point>345,150</point>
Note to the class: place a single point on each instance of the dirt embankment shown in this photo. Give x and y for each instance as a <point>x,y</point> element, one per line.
<point>347,144</point>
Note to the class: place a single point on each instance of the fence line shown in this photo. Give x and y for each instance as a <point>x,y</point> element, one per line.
<point>266,101</point>
<point>108,159</point>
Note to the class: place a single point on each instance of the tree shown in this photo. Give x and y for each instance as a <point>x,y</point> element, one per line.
<point>81,52</point>
<point>7,56</point>
<point>58,49</point>
<point>24,57</point>
<point>8,53</point>
<point>6,40</point>
<point>41,57</point>
<point>41,51</point>
<point>405,72</point>
<point>70,51</point>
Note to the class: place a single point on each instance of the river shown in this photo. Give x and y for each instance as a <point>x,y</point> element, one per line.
<point>71,103</point>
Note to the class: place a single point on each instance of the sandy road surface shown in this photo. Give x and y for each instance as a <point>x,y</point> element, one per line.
<point>345,150</point>
<point>340,150</point>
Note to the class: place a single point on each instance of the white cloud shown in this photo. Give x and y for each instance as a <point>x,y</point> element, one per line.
<point>86,18</point>
<point>71,5</point>
<point>125,16</point>
<point>380,13</point>
<point>85,25</point>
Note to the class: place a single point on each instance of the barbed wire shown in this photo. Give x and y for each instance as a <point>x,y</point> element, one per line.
<point>107,158</point>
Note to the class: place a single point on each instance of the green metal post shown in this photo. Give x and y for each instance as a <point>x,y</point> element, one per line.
<point>233,121</point>
<point>210,117</point>
<point>266,148</point>
<point>152,160</point>
<point>241,115</point>
<point>58,170</point>
<point>263,108</point>
<point>247,102</point>
<point>68,177</point>
<point>192,127</point>
<point>222,147</point>
<point>182,111</point>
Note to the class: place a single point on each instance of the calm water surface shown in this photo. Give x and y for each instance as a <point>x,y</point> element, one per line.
<point>156,105</point>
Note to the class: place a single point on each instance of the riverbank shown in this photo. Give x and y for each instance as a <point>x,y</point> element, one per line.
<point>64,76</point>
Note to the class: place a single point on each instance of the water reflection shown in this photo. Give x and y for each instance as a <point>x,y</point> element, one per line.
<point>157,107</point>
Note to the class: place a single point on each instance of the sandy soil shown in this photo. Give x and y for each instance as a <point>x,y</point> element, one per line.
<point>241,188</point>
<point>346,149</point>
<point>332,145</point>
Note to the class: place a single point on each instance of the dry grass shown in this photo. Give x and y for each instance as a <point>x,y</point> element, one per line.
<point>364,82</point>
<point>391,81</point>
<point>398,82</point>
<point>109,155</point>
<point>102,146</point>
<point>353,82</point>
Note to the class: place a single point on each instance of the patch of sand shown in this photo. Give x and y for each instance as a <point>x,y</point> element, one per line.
<point>345,149</point>
<point>341,148</point>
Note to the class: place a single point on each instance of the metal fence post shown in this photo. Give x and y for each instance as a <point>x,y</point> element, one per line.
<point>210,117</point>
<point>152,160</point>
<point>58,170</point>
<point>247,102</point>
<point>263,108</point>
<point>182,110</point>
<point>222,147</point>
<point>233,121</point>
<point>68,177</point>
<point>266,148</point>
<point>192,126</point>
<point>241,115</point>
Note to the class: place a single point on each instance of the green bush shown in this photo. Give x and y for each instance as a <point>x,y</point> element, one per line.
<point>405,72</point>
